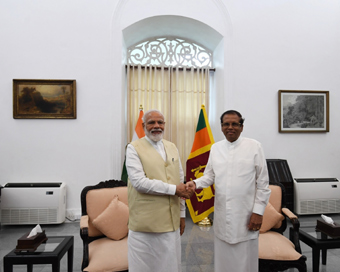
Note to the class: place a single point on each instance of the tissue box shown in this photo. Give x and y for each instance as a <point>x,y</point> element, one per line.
<point>329,229</point>
<point>30,244</point>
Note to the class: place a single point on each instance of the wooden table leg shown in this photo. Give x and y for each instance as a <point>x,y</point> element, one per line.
<point>70,259</point>
<point>324,251</point>
<point>324,256</point>
<point>316,259</point>
<point>56,266</point>
<point>8,267</point>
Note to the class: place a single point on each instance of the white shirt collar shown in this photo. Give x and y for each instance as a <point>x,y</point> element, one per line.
<point>235,142</point>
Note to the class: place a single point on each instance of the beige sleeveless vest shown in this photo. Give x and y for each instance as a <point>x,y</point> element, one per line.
<point>154,213</point>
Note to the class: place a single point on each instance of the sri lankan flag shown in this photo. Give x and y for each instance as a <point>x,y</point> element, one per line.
<point>201,204</point>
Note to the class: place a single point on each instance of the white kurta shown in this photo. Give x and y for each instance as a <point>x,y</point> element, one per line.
<point>240,174</point>
<point>240,257</point>
<point>147,251</point>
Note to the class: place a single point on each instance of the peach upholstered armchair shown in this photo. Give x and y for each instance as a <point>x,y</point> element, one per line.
<point>276,252</point>
<point>103,226</point>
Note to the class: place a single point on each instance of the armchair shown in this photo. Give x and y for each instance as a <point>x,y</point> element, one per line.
<point>103,226</point>
<point>276,252</point>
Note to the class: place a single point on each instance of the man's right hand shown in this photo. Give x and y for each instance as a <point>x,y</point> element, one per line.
<point>190,186</point>
<point>181,191</point>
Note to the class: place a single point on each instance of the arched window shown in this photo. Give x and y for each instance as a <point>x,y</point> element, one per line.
<point>169,51</point>
<point>172,75</point>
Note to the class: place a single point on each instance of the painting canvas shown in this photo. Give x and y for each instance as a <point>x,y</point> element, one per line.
<point>303,111</point>
<point>53,99</point>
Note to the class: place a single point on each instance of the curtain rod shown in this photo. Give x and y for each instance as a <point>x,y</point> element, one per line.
<point>166,68</point>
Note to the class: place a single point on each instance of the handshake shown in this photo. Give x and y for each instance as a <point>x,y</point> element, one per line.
<point>185,191</point>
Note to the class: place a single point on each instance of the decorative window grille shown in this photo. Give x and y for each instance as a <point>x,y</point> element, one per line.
<point>176,52</point>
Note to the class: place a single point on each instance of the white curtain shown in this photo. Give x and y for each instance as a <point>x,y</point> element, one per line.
<point>189,90</point>
<point>177,93</point>
<point>149,88</point>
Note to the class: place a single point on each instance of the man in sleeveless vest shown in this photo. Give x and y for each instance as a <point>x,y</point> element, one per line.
<point>156,206</point>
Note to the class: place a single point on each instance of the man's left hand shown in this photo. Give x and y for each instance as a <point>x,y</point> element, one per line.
<point>182,225</point>
<point>255,222</point>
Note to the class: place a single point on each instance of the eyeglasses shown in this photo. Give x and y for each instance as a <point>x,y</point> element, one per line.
<point>234,125</point>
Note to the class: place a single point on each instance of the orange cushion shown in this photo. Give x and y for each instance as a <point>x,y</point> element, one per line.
<point>271,218</point>
<point>275,197</point>
<point>275,246</point>
<point>113,221</point>
<point>108,255</point>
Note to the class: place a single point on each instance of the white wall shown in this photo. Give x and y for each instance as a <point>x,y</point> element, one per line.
<point>288,45</point>
<point>265,46</point>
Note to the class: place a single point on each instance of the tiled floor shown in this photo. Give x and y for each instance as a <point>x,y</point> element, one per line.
<point>197,246</point>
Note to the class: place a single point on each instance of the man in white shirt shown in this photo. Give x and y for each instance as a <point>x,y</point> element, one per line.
<point>238,168</point>
<point>156,211</point>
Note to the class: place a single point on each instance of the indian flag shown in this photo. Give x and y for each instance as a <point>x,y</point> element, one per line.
<point>139,133</point>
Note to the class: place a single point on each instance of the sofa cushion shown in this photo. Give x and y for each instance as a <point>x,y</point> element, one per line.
<point>108,255</point>
<point>275,246</point>
<point>271,218</point>
<point>112,222</point>
<point>98,200</point>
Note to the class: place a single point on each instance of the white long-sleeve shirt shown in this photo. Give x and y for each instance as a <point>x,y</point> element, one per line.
<point>145,185</point>
<point>240,173</point>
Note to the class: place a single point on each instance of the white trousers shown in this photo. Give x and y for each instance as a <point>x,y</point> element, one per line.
<point>154,252</point>
<point>240,257</point>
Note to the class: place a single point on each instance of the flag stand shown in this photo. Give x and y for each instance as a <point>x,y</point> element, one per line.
<point>205,222</point>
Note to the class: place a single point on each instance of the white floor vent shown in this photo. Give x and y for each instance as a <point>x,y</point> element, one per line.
<point>33,203</point>
<point>317,196</point>
<point>319,206</point>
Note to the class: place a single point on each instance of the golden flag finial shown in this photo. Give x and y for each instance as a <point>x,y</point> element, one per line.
<point>141,107</point>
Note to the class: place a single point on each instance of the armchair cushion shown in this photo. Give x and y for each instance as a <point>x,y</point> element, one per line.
<point>107,255</point>
<point>271,218</point>
<point>112,222</point>
<point>275,246</point>
<point>84,221</point>
<point>275,197</point>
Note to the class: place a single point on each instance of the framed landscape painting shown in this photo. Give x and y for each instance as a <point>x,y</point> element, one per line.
<point>44,99</point>
<point>303,111</point>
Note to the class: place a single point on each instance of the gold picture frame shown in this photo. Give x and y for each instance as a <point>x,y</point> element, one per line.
<point>44,99</point>
<point>303,111</point>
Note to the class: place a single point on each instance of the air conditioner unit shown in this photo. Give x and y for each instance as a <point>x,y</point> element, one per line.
<point>317,196</point>
<point>33,203</point>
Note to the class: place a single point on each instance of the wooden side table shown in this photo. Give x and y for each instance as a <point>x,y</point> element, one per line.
<point>50,252</point>
<point>318,241</point>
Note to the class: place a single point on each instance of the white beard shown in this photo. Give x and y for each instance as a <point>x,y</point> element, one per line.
<point>155,138</point>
